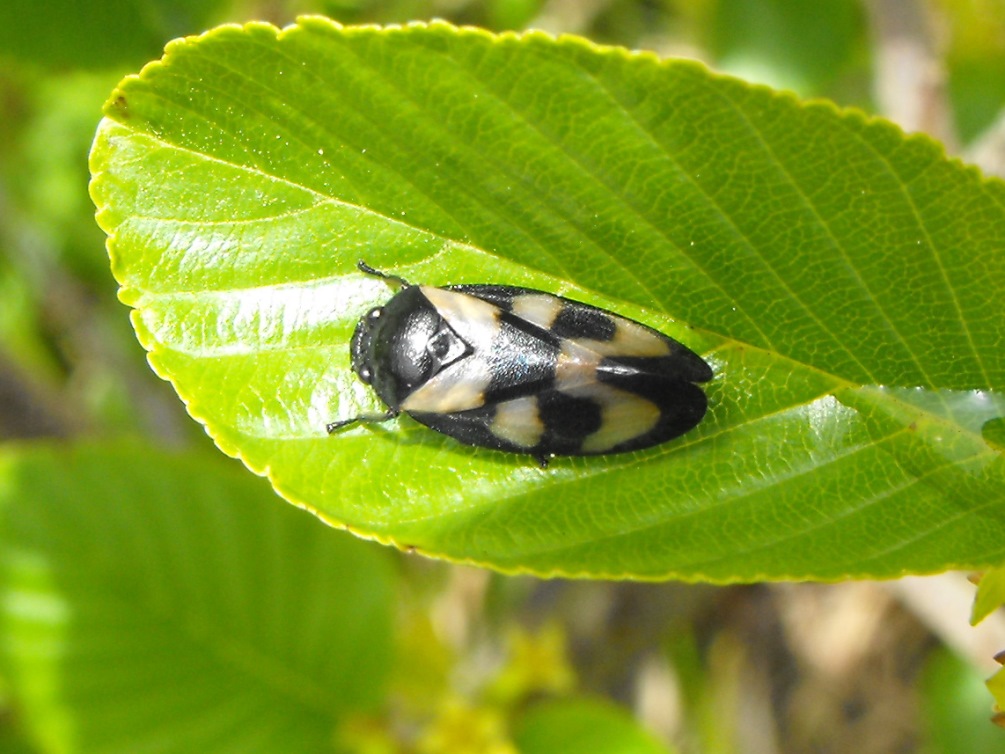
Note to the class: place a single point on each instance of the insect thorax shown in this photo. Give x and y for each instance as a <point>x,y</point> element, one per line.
<point>400,346</point>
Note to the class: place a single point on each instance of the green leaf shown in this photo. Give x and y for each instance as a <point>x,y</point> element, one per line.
<point>583,725</point>
<point>152,602</point>
<point>843,280</point>
<point>990,594</point>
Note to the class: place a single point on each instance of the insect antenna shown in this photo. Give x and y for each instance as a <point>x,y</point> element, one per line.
<point>364,267</point>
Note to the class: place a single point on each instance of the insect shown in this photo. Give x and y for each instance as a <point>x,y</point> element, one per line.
<point>524,371</point>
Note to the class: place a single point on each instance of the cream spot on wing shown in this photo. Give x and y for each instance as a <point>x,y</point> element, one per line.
<point>474,320</point>
<point>459,387</point>
<point>630,339</point>
<point>539,309</point>
<point>519,422</point>
<point>623,416</point>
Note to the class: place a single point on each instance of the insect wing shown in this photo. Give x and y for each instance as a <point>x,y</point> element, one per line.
<point>550,375</point>
<point>595,329</point>
<point>595,417</point>
<point>630,386</point>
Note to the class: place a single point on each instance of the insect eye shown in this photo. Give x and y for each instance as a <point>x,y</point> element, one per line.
<point>365,374</point>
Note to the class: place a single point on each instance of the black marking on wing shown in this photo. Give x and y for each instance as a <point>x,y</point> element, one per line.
<point>567,418</point>
<point>682,364</point>
<point>577,320</point>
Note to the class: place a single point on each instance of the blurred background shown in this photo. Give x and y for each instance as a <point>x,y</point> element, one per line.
<point>861,667</point>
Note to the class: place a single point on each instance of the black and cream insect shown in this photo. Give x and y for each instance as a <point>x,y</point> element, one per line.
<point>524,371</point>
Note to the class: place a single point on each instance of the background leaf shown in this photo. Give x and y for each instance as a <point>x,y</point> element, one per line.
<point>150,600</point>
<point>583,725</point>
<point>800,46</point>
<point>843,280</point>
<point>63,33</point>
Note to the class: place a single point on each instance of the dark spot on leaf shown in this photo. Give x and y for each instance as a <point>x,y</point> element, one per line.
<point>119,107</point>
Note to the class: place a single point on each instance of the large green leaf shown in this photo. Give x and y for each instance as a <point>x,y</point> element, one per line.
<point>163,603</point>
<point>844,281</point>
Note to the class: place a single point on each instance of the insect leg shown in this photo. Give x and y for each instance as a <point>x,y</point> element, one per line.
<point>334,427</point>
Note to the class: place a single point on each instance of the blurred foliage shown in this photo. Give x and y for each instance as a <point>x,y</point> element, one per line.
<point>990,594</point>
<point>67,35</point>
<point>954,708</point>
<point>69,366</point>
<point>975,58</point>
<point>806,47</point>
<point>143,592</point>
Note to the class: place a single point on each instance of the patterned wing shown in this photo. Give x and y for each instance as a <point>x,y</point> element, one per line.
<point>553,376</point>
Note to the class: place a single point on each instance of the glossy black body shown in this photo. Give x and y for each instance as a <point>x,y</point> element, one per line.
<point>560,385</point>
